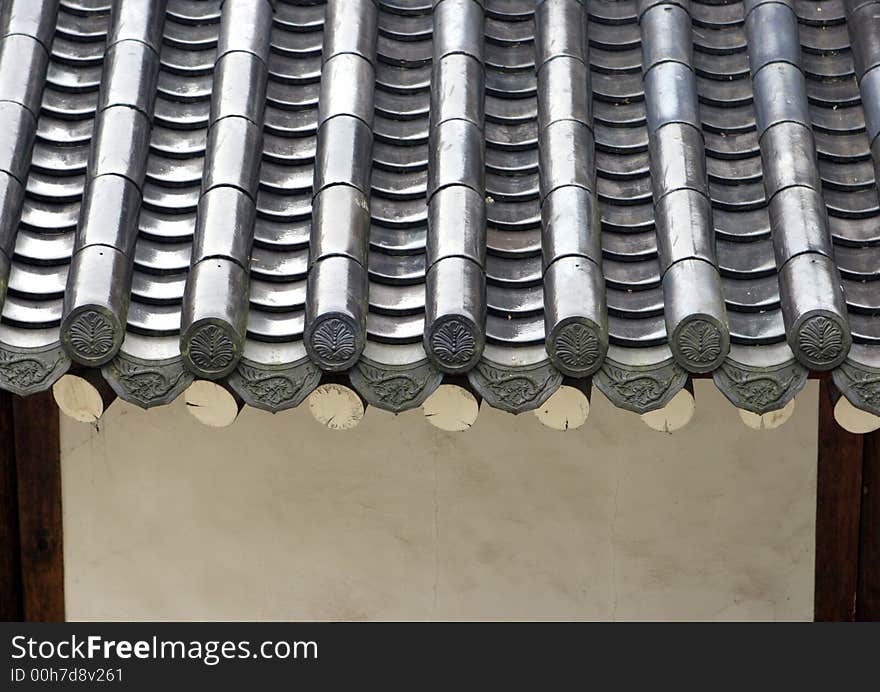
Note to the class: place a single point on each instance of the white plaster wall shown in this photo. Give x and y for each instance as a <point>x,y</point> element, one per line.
<point>277,518</point>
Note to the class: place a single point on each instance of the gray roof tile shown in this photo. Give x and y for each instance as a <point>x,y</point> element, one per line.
<point>520,191</point>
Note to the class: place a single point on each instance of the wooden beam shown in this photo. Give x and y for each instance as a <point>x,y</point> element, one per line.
<point>868,593</point>
<point>38,467</point>
<point>838,507</point>
<point>11,599</point>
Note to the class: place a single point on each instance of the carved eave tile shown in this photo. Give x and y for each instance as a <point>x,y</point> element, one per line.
<point>455,344</point>
<point>274,377</point>
<point>515,380</point>
<point>578,348</point>
<point>274,388</point>
<point>640,380</point>
<point>335,342</point>
<point>822,341</point>
<point>93,336</point>
<point>701,344</point>
<point>858,378</point>
<point>761,378</point>
<point>395,388</point>
<point>26,371</point>
<point>147,371</point>
<point>395,377</point>
<point>210,351</point>
<point>147,383</point>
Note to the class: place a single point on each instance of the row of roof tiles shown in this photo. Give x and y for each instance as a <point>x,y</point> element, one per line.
<point>399,190</point>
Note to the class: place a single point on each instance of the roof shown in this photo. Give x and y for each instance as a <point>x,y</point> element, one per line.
<point>406,190</point>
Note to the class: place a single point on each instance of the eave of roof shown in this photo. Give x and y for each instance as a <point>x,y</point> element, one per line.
<point>403,190</point>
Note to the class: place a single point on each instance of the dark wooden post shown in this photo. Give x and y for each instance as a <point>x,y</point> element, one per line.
<point>11,598</point>
<point>847,519</point>
<point>38,464</point>
<point>838,508</point>
<point>31,545</point>
<point>868,593</point>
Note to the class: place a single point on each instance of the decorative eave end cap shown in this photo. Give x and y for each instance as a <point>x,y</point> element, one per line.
<point>820,340</point>
<point>700,343</point>
<point>515,389</point>
<point>860,384</point>
<point>395,388</point>
<point>92,335</point>
<point>577,347</point>
<point>760,390</point>
<point>26,371</point>
<point>454,344</point>
<point>147,383</point>
<point>334,341</point>
<point>274,388</point>
<point>210,348</point>
<point>640,388</point>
